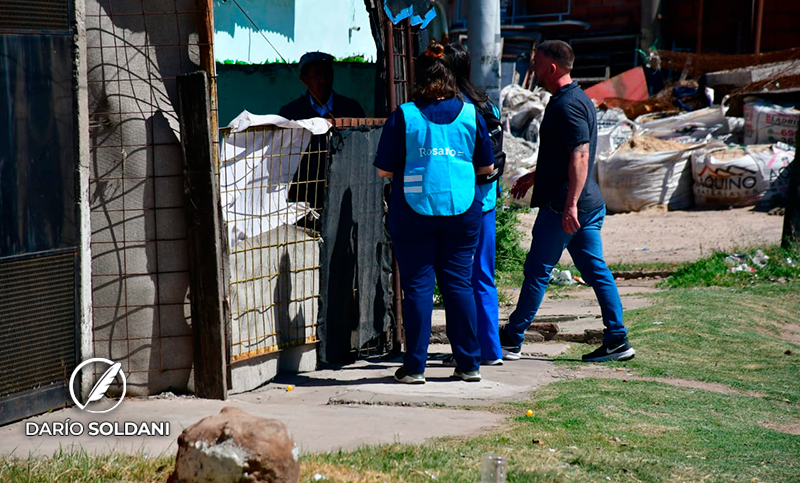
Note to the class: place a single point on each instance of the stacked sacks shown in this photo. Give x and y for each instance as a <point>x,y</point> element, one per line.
<point>741,175</point>
<point>646,172</point>
<point>768,123</point>
<point>693,127</point>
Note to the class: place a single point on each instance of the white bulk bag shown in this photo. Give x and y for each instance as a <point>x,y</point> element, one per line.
<point>741,175</point>
<point>634,179</point>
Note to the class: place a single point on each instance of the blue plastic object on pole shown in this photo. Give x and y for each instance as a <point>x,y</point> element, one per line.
<point>420,13</point>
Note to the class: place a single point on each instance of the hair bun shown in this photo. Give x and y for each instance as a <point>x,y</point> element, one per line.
<point>434,50</point>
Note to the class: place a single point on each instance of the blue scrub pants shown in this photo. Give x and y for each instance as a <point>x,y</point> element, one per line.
<point>586,249</point>
<point>485,290</point>
<point>430,248</point>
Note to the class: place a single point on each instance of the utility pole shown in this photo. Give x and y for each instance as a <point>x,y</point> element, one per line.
<point>483,22</point>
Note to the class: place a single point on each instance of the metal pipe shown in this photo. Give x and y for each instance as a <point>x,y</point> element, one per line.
<point>397,333</point>
<point>759,22</point>
<point>390,65</point>
<point>410,54</point>
<point>700,27</point>
<point>483,21</point>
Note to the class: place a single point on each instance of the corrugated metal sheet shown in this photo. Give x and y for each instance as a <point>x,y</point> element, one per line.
<point>355,312</point>
<point>37,321</point>
<point>26,15</point>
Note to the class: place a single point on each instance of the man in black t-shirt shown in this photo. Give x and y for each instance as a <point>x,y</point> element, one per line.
<point>571,207</point>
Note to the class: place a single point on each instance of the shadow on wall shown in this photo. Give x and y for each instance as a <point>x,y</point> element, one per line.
<point>139,257</point>
<point>273,15</point>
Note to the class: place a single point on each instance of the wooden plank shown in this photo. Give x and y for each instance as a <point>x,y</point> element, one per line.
<point>205,247</point>
<point>791,219</point>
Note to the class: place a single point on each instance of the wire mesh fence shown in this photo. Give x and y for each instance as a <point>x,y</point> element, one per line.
<point>272,186</point>
<point>135,50</point>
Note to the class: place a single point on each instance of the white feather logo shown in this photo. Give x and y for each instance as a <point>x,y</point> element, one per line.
<point>102,385</point>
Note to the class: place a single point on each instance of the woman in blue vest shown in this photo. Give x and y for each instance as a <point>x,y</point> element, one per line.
<point>483,284</point>
<point>432,149</point>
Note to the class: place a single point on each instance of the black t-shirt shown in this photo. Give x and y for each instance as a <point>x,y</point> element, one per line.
<point>569,120</point>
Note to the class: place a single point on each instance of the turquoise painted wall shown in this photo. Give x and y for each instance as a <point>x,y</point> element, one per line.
<point>294,27</point>
<point>263,89</point>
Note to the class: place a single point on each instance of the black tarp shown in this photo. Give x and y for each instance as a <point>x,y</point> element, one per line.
<point>355,309</point>
<point>37,158</point>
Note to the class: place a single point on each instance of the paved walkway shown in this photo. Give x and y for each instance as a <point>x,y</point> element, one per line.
<point>341,407</point>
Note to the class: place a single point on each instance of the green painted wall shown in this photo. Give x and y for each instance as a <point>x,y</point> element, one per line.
<point>263,89</point>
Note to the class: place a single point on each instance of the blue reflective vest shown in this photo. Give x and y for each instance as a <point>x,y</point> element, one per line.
<point>439,177</point>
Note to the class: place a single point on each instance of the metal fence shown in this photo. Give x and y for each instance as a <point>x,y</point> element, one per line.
<point>272,187</point>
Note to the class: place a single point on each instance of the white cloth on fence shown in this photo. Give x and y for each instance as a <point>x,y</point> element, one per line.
<point>256,167</point>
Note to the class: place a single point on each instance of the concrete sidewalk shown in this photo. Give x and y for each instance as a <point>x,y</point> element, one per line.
<point>327,410</point>
<point>342,407</point>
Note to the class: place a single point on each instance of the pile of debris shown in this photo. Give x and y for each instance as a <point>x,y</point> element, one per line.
<point>725,138</point>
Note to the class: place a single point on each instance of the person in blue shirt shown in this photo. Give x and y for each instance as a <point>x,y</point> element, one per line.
<point>432,149</point>
<point>483,284</point>
<point>571,207</point>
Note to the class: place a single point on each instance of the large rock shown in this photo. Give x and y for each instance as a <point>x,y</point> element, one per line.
<point>236,447</point>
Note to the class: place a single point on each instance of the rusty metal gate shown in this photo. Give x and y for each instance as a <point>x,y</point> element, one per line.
<point>39,233</point>
<point>271,180</point>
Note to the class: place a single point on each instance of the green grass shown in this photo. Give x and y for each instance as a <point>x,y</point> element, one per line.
<point>645,267</point>
<point>591,430</point>
<point>713,270</point>
<point>725,336</point>
<point>79,466</point>
<point>510,256</point>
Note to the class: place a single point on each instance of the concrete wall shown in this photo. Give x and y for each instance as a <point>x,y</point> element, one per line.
<point>139,254</point>
<point>293,27</point>
<point>263,89</point>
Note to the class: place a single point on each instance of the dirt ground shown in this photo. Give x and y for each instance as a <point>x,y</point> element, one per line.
<point>677,236</point>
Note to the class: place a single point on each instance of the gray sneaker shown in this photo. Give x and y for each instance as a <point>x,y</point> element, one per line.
<point>450,361</point>
<point>402,375</point>
<point>468,376</point>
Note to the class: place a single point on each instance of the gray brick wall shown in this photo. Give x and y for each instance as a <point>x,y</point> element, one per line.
<point>140,278</point>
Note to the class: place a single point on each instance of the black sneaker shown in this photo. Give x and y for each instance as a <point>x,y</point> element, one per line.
<point>620,350</point>
<point>402,375</point>
<point>468,376</point>
<point>510,351</point>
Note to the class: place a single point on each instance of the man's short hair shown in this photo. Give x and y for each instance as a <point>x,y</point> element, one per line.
<point>311,57</point>
<point>559,51</point>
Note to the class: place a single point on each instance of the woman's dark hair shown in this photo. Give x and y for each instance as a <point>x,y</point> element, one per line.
<point>434,79</point>
<point>458,57</point>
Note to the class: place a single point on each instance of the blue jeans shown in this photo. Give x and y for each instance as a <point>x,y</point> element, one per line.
<point>429,249</point>
<point>485,289</point>
<point>586,249</point>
